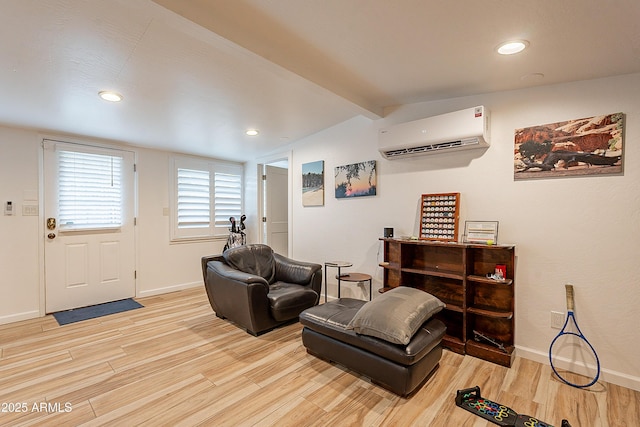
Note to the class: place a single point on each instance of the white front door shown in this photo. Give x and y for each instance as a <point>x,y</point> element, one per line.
<point>277,209</point>
<point>89,242</point>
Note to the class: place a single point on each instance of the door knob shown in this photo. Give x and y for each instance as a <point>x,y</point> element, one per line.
<point>51,235</point>
<point>51,223</point>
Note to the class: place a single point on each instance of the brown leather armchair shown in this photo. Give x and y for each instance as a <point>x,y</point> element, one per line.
<point>259,289</point>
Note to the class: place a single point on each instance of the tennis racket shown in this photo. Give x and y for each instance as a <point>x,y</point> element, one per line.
<point>569,336</point>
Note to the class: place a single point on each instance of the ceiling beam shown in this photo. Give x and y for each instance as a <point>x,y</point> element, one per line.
<point>259,33</point>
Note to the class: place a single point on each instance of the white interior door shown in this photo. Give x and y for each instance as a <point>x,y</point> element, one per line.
<point>277,209</point>
<point>89,242</point>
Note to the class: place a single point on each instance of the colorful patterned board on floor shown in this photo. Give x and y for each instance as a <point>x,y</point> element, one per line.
<point>471,400</point>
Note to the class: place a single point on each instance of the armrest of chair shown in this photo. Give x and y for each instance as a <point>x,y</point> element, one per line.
<point>205,260</point>
<point>300,272</point>
<point>238,296</point>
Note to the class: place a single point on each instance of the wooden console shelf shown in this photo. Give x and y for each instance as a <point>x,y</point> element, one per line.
<point>452,307</point>
<point>432,272</point>
<point>490,313</point>
<point>483,279</point>
<point>456,273</point>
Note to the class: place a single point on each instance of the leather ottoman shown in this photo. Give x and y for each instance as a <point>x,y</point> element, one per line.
<point>399,368</point>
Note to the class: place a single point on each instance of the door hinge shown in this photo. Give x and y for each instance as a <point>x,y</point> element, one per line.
<point>264,219</point>
<point>264,177</point>
<point>135,221</point>
<point>135,274</point>
<point>135,167</point>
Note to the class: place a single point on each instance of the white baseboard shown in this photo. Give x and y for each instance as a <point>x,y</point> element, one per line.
<point>608,375</point>
<point>167,289</point>
<point>19,316</point>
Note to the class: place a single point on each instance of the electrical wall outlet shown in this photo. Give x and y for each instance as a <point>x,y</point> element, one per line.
<point>557,319</point>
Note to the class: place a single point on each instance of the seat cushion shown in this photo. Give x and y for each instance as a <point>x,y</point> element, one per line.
<point>254,259</point>
<point>395,315</point>
<point>288,300</point>
<point>332,318</point>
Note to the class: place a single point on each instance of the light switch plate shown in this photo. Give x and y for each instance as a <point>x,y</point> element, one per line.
<point>29,210</point>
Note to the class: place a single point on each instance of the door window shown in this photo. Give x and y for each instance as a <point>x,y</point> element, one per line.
<point>90,193</point>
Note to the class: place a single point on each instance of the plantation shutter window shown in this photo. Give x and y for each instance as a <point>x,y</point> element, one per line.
<point>90,190</point>
<point>194,210</point>
<point>205,195</point>
<point>228,198</point>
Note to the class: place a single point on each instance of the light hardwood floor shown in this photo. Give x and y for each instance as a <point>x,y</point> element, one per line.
<point>174,363</point>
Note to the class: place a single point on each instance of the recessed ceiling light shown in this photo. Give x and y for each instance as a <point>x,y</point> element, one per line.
<point>512,46</point>
<point>252,132</point>
<point>110,96</point>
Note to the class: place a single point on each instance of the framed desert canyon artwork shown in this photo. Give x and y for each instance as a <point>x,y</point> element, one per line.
<point>313,183</point>
<point>588,146</point>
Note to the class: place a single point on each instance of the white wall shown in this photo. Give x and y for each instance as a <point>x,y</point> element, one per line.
<point>161,266</point>
<point>19,270</point>
<point>580,230</point>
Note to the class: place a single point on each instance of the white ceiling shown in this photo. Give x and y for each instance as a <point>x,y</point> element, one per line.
<point>196,74</point>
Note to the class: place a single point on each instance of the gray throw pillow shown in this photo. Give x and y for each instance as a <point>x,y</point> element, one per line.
<point>396,315</point>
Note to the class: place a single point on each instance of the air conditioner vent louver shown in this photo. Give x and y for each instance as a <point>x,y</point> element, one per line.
<point>432,147</point>
<point>460,130</point>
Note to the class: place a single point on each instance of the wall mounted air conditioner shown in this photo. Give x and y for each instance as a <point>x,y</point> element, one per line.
<point>459,130</point>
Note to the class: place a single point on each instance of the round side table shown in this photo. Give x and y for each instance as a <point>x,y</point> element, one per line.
<point>354,277</point>
<point>334,264</point>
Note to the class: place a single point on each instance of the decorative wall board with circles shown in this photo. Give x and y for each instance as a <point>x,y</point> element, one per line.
<point>439,217</point>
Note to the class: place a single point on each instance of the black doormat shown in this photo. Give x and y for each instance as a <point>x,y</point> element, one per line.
<point>91,312</point>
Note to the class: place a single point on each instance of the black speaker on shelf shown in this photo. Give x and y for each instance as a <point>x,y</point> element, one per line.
<point>388,232</point>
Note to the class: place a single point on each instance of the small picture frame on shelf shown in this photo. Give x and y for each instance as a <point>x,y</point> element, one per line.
<point>484,232</point>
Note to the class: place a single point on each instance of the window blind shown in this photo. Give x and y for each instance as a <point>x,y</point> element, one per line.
<point>194,206</point>
<point>205,194</point>
<point>228,197</point>
<point>90,190</point>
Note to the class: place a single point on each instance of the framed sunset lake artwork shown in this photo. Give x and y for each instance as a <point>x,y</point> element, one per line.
<point>355,180</point>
